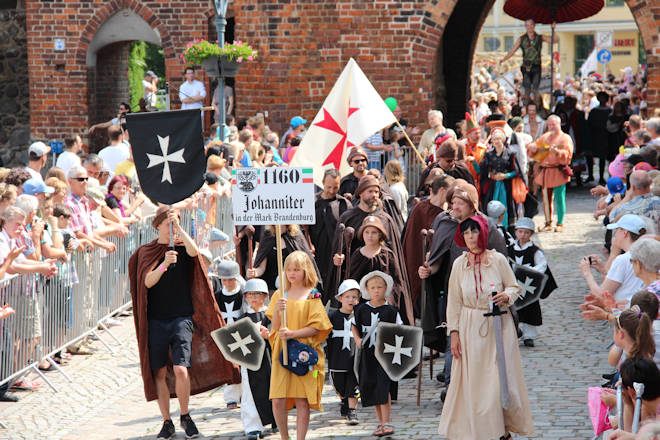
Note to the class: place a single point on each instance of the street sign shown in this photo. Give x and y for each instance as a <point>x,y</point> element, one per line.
<point>604,39</point>
<point>273,196</point>
<point>604,56</point>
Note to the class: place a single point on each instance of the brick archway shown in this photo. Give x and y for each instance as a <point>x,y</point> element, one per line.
<point>59,35</point>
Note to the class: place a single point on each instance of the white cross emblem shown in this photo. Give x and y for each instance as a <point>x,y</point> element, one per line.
<point>367,328</point>
<point>241,343</point>
<point>345,334</point>
<point>527,286</point>
<point>230,315</point>
<point>165,159</point>
<point>519,261</point>
<point>398,350</point>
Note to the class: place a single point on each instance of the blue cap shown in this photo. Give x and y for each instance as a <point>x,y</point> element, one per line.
<point>615,185</point>
<point>218,235</point>
<point>296,121</point>
<point>629,222</point>
<point>35,186</point>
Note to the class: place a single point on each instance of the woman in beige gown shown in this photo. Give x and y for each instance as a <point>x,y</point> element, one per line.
<point>473,407</point>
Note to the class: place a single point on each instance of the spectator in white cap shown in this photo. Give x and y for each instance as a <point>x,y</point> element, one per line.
<point>37,156</point>
<point>619,276</point>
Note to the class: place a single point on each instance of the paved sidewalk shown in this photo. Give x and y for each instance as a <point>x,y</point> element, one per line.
<point>106,401</point>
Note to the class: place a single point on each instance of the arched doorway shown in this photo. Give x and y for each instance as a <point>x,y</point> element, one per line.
<point>107,61</point>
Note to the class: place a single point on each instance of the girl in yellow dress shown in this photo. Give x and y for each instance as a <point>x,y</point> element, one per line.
<point>308,323</point>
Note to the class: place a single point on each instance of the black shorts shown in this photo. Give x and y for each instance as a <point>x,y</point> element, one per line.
<point>175,334</point>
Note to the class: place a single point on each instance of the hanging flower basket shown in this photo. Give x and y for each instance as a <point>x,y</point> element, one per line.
<point>231,56</point>
<point>226,68</point>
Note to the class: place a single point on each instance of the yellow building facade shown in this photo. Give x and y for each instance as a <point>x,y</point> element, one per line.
<point>576,39</point>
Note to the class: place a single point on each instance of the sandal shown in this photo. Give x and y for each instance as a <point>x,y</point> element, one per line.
<point>379,431</point>
<point>546,228</point>
<point>559,228</point>
<point>387,429</point>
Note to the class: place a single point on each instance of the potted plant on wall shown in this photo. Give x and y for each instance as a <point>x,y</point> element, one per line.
<point>218,60</point>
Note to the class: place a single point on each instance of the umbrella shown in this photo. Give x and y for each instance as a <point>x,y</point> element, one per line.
<point>550,12</point>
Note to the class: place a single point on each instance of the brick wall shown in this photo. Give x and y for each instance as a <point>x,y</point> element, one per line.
<point>60,80</point>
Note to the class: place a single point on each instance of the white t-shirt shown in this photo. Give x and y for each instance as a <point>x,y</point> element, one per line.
<point>188,90</point>
<point>34,174</point>
<point>113,154</point>
<point>621,271</point>
<point>148,95</point>
<point>67,160</point>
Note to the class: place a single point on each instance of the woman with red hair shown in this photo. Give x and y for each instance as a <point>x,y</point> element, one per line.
<point>117,189</point>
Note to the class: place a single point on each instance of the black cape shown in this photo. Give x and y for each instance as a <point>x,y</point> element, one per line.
<point>375,384</point>
<point>260,379</point>
<point>532,313</point>
<point>322,233</point>
<point>384,261</point>
<point>230,305</point>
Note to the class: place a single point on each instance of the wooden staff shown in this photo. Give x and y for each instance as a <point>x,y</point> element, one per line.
<point>423,233</point>
<point>278,233</point>
<point>239,255</point>
<point>340,229</point>
<point>419,156</point>
<point>429,239</point>
<point>249,231</point>
<point>349,233</point>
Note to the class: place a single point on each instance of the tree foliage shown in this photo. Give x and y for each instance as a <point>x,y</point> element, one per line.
<point>143,56</point>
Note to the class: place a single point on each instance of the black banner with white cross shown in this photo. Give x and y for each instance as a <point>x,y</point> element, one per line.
<point>168,151</point>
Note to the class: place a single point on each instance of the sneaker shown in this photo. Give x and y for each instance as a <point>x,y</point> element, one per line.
<point>528,342</point>
<point>189,426</point>
<point>167,431</point>
<point>8,397</point>
<point>232,405</point>
<point>254,435</point>
<point>351,417</point>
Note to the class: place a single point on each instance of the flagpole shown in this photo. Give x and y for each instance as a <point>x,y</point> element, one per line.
<point>419,156</point>
<point>278,234</point>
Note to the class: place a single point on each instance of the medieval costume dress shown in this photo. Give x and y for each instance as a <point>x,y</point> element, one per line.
<point>473,407</point>
<point>340,349</point>
<point>354,218</point>
<point>383,261</point>
<point>268,251</point>
<point>256,408</point>
<point>531,256</point>
<point>499,190</point>
<point>420,218</point>
<point>322,232</point>
<point>208,368</point>
<point>301,313</point>
<point>375,384</point>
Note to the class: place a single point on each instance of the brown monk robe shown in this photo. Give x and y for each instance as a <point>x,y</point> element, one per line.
<point>421,217</point>
<point>209,369</point>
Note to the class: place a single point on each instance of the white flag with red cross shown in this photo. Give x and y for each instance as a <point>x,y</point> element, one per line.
<point>351,113</point>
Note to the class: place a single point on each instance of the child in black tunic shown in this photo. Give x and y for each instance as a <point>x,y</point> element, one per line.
<point>526,253</point>
<point>256,409</point>
<point>340,349</point>
<point>230,300</point>
<point>374,383</point>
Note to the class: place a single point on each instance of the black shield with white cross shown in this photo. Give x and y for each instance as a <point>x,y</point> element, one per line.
<point>168,151</point>
<point>241,343</point>
<point>398,348</point>
<point>531,282</point>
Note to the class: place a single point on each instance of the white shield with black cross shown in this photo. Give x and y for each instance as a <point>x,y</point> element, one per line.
<point>241,343</point>
<point>531,282</point>
<point>398,348</point>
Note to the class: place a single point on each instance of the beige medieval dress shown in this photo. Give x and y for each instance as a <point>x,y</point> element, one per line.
<point>473,407</point>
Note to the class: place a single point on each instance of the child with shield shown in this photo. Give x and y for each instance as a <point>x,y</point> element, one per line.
<point>256,409</point>
<point>375,385</point>
<point>341,349</point>
<point>298,320</point>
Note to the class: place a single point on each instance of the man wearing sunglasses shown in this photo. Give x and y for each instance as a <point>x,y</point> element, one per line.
<point>357,159</point>
<point>81,216</point>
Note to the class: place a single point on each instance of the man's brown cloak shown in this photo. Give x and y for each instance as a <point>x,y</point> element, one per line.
<point>421,217</point>
<point>209,369</point>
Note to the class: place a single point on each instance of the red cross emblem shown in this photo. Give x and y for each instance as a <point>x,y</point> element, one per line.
<point>329,123</point>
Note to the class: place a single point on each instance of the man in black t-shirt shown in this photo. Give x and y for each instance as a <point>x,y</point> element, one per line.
<point>169,315</point>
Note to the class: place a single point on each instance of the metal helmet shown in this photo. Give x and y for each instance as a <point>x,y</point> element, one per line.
<point>256,285</point>
<point>227,270</point>
<point>495,209</point>
<point>525,223</point>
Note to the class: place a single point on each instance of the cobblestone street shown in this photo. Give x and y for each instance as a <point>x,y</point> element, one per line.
<point>105,400</point>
